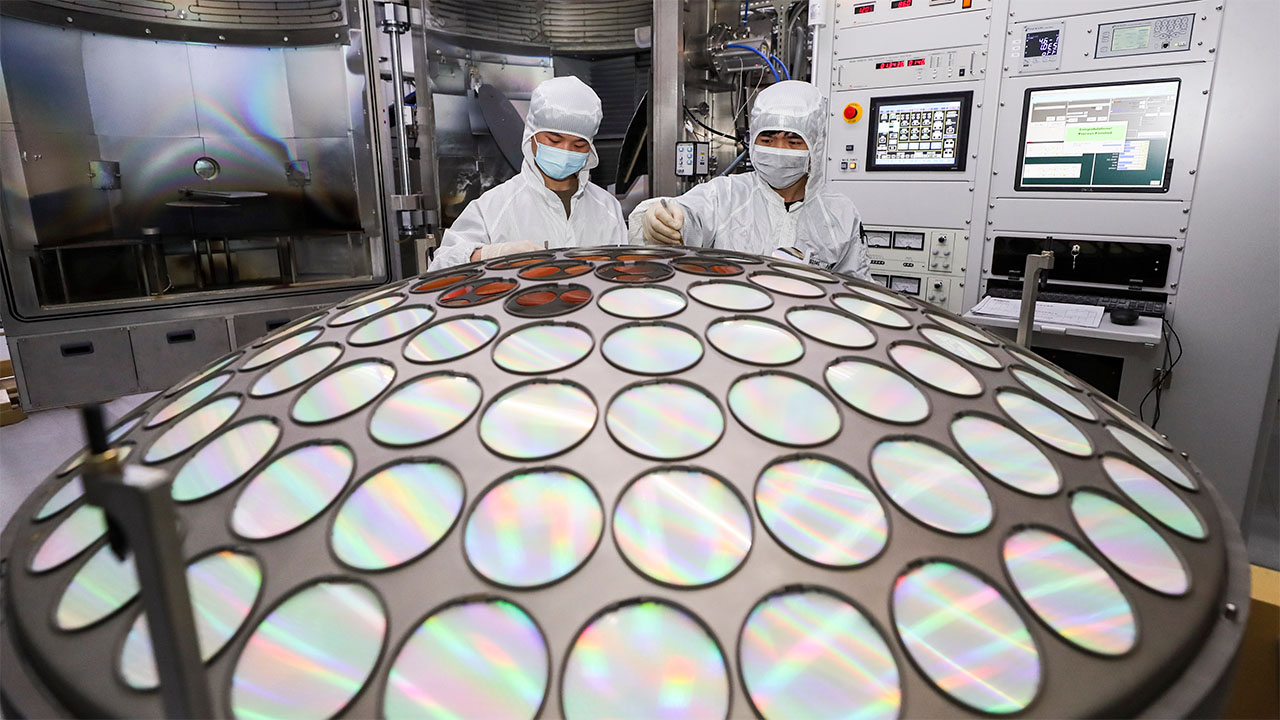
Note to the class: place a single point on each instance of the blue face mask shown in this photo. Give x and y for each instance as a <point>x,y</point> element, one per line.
<point>559,164</point>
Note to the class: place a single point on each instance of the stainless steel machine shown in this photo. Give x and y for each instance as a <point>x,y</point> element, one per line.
<point>711,57</point>
<point>481,61</point>
<point>179,178</point>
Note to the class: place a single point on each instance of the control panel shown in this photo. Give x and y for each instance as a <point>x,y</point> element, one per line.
<point>852,13</point>
<point>848,161</point>
<point>944,291</point>
<point>1039,46</point>
<point>692,158</point>
<point>928,263</point>
<point>1144,37</point>
<point>910,68</point>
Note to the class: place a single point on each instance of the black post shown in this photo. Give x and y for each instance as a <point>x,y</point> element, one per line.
<point>141,518</point>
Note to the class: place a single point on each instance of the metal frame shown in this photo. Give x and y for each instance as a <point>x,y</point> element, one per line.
<point>170,21</point>
<point>666,97</point>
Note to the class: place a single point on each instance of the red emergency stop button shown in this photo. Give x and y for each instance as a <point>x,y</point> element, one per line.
<point>852,113</point>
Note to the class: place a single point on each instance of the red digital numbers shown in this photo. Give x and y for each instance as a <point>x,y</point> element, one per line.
<point>864,9</point>
<point>900,4</point>
<point>899,63</point>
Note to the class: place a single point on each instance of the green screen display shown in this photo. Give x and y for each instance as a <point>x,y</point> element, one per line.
<point>1102,137</point>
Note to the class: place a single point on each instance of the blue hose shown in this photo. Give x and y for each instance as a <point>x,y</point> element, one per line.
<point>775,59</point>
<point>733,164</point>
<point>763,57</point>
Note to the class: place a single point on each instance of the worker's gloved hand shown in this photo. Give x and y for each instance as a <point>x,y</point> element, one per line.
<point>662,223</point>
<point>496,250</point>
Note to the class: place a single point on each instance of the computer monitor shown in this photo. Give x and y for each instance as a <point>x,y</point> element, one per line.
<point>919,132</point>
<point>1110,137</point>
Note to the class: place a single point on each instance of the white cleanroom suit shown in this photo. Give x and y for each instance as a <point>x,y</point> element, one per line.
<point>743,212</point>
<point>523,210</point>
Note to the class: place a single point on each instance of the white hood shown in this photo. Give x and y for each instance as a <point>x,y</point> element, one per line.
<point>564,105</point>
<point>798,107</point>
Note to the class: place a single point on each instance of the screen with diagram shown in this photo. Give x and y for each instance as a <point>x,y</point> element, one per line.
<point>919,132</point>
<point>1111,138</point>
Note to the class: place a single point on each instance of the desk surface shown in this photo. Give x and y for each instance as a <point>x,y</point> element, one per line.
<point>1147,331</point>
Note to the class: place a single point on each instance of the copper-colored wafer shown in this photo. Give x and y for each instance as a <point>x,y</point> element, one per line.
<point>534,299</point>
<point>494,288</point>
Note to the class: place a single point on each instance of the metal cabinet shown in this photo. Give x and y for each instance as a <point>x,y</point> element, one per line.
<point>166,352</point>
<point>248,327</point>
<point>64,368</point>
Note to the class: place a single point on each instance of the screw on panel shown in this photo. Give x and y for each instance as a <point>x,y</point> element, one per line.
<point>147,30</point>
<point>1230,611</point>
<point>70,19</point>
<point>1182,229</point>
<point>1184,455</point>
<point>1204,92</point>
<point>1212,50</point>
<point>1191,172</point>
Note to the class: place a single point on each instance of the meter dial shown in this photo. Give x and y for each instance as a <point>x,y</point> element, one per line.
<point>908,240</point>
<point>906,285</point>
<point>878,239</point>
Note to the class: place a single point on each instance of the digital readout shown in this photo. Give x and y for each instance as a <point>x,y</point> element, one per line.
<point>900,63</point>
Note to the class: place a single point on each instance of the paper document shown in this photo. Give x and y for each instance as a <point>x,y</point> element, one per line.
<point>1047,313</point>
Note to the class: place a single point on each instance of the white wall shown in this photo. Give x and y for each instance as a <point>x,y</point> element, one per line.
<point>1229,298</point>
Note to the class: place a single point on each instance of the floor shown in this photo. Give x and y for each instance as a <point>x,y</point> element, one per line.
<point>33,448</point>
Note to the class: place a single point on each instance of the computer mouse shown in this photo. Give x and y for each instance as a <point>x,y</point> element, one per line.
<point>1124,316</point>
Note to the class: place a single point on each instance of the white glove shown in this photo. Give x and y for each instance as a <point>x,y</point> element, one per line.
<point>662,223</point>
<point>496,250</point>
